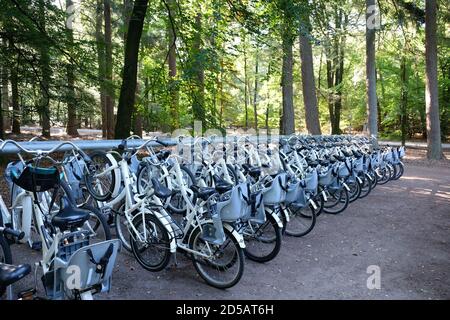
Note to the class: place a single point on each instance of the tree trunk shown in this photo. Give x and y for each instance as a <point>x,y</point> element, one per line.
<point>381,103</point>
<point>221,94</point>
<point>71,105</point>
<point>109,87</point>
<point>308,83</point>
<point>431,95</point>
<point>16,113</point>
<point>255,92</point>
<point>173,86</point>
<point>371,77</point>
<point>2,129</point>
<point>339,72</point>
<point>404,99</point>
<point>330,87</point>
<point>198,103</point>
<point>44,102</point>
<point>245,86</point>
<point>129,80</point>
<point>100,45</point>
<point>5,92</point>
<point>287,118</point>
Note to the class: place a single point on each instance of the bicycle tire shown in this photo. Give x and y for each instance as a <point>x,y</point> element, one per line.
<point>137,252</point>
<point>238,258</point>
<point>89,179</point>
<point>276,249</point>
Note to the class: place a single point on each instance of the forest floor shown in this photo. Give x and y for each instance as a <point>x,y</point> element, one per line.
<point>402,227</point>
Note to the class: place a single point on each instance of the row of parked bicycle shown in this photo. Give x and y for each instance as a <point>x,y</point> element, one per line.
<point>214,200</point>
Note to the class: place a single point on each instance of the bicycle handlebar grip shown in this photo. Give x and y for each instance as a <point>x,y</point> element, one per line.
<point>165,144</point>
<point>123,145</point>
<point>17,234</point>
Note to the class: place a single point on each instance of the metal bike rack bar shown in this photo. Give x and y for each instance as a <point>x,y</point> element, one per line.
<point>131,143</point>
<point>82,144</point>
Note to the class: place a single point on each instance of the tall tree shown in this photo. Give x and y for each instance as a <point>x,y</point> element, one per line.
<point>100,46</point>
<point>109,87</point>
<point>255,90</point>
<point>2,129</point>
<point>404,98</point>
<point>287,123</point>
<point>172,62</point>
<point>431,96</point>
<point>198,103</point>
<point>71,105</point>
<point>16,112</point>
<point>371,88</point>
<point>4,91</point>
<point>129,76</point>
<point>245,86</point>
<point>308,80</point>
<point>44,103</point>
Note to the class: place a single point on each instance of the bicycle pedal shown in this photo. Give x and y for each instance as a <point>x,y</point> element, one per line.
<point>36,245</point>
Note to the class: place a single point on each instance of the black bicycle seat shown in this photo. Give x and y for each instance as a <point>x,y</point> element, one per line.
<point>222,186</point>
<point>10,274</point>
<point>255,172</point>
<point>160,191</point>
<point>70,216</point>
<point>203,192</point>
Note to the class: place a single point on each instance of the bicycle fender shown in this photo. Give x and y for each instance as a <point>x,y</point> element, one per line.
<point>277,218</point>
<point>346,186</point>
<point>314,205</point>
<point>239,238</point>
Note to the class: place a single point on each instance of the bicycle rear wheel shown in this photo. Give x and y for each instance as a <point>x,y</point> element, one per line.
<point>337,201</point>
<point>262,241</point>
<point>301,221</point>
<point>366,187</point>
<point>224,266</point>
<point>384,175</point>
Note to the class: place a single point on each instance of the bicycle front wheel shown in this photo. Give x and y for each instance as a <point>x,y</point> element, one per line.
<point>151,244</point>
<point>262,241</point>
<point>301,220</point>
<point>221,266</point>
<point>337,201</point>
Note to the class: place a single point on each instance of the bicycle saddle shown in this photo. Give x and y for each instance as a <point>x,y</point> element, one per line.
<point>203,192</point>
<point>10,273</point>
<point>222,186</point>
<point>324,162</point>
<point>69,216</point>
<point>255,172</point>
<point>339,158</point>
<point>160,191</point>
